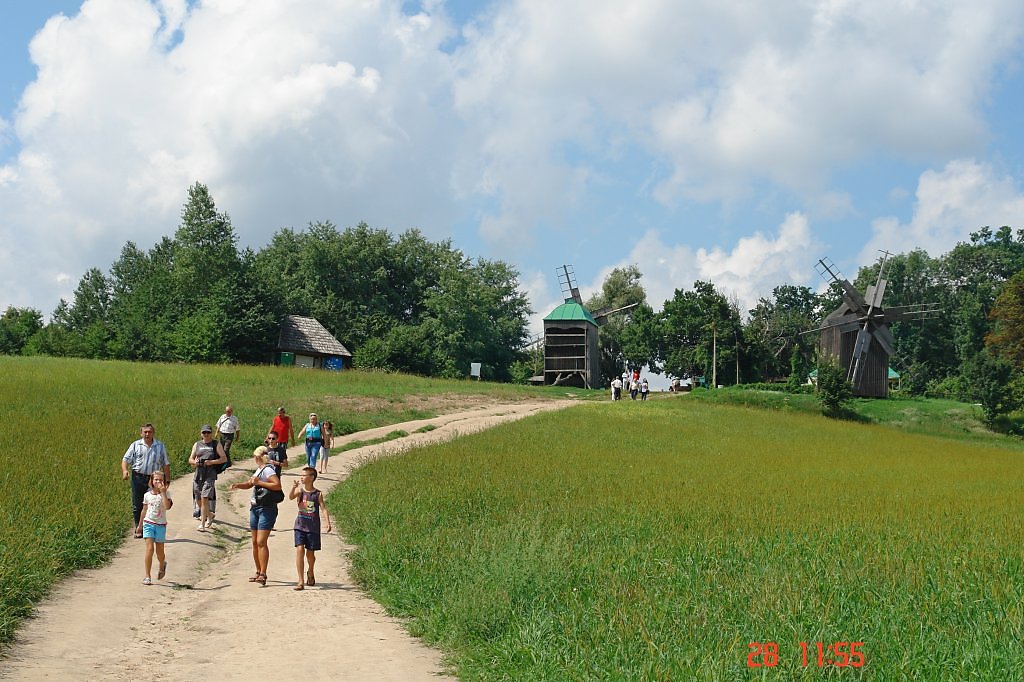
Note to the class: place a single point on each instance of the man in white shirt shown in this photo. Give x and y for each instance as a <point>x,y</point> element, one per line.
<point>228,429</point>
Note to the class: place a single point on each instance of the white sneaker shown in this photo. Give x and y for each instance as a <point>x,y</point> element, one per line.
<point>201,527</point>
<point>209,523</point>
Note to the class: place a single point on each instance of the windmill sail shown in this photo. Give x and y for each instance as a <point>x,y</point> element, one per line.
<point>857,333</point>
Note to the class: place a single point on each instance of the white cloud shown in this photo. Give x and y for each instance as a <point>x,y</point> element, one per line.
<point>745,271</point>
<point>732,96</point>
<point>288,112</point>
<point>963,197</point>
<point>292,112</point>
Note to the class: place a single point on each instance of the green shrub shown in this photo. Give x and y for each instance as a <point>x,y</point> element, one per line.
<point>986,379</point>
<point>834,391</point>
<point>947,388</point>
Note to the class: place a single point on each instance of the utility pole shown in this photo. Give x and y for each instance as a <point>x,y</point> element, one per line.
<point>714,355</point>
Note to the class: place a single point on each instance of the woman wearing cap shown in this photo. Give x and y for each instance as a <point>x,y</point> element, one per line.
<point>206,455</point>
<point>313,434</point>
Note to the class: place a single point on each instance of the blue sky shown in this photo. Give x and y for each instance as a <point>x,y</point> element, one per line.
<point>693,138</point>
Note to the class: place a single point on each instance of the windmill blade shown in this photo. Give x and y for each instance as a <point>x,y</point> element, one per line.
<point>919,311</point>
<point>860,354</point>
<point>601,315</point>
<point>850,295</point>
<point>844,323</point>
<point>885,339</point>
<point>875,293</point>
<point>853,297</point>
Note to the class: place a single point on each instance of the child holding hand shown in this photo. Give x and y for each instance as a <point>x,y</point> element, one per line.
<point>307,524</point>
<point>153,524</point>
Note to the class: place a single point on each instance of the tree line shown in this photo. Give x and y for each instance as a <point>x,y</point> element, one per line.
<point>408,304</point>
<point>402,303</point>
<point>973,350</point>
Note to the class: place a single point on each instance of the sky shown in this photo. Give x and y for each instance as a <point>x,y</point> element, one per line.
<point>731,142</point>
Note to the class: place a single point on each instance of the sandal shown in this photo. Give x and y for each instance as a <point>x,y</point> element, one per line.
<point>163,571</point>
<point>310,580</point>
<point>262,580</point>
<point>299,587</point>
<point>147,581</point>
<point>255,577</point>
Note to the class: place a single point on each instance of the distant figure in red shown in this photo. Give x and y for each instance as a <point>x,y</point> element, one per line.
<point>283,426</point>
<point>636,376</point>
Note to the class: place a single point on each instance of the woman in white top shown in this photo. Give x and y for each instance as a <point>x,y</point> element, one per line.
<point>266,495</point>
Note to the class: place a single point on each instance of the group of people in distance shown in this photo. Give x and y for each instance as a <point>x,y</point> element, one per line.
<point>632,384</point>
<point>147,464</point>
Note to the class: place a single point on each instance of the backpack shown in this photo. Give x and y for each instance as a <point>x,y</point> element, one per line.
<point>266,497</point>
<point>224,466</point>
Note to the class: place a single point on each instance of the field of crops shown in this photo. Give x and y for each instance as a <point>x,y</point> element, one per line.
<point>63,504</point>
<point>675,539</point>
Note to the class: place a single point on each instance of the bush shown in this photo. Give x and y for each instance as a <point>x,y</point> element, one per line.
<point>986,379</point>
<point>947,388</point>
<point>834,391</point>
<point>778,388</point>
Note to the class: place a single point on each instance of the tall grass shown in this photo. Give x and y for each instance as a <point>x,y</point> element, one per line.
<point>63,504</point>
<point>928,416</point>
<point>658,540</point>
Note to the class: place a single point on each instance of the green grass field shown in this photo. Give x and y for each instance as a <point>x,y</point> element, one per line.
<point>659,540</point>
<point>63,504</point>
<point>651,540</point>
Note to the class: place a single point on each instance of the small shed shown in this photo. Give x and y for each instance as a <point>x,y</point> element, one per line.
<point>570,347</point>
<point>307,343</point>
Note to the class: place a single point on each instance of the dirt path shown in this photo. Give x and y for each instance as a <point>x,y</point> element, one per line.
<point>206,621</point>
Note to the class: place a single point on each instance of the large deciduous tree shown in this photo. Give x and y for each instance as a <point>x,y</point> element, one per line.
<point>1006,338</point>
<point>618,348</point>
<point>774,331</point>
<point>17,326</point>
<point>700,328</point>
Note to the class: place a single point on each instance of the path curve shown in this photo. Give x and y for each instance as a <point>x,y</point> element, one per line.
<point>205,621</point>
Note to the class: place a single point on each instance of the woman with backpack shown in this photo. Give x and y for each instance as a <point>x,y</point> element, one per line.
<point>207,456</point>
<point>266,495</point>
<point>312,432</point>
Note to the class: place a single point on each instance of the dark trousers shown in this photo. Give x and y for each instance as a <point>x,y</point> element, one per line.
<point>225,440</point>
<point>140,484</point>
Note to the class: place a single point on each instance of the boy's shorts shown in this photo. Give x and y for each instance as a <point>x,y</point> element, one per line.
<point>262,518</point>
<point>152,530</point>
<point>310,540</point>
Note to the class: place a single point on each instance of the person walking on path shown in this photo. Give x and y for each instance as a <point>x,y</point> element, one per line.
<point>205,456</point>
<point>325,451</point>
<point>153,525</point>
<point>312,433</point>
<point>144,457</point>
<point>266,495</point>
<point>307,525</point>
<point>277,453</point>
<point>283,426</point>
<point>644,389</point>
<point>228,429</point>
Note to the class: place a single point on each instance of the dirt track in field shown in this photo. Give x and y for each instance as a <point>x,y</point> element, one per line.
<point>206,621</point>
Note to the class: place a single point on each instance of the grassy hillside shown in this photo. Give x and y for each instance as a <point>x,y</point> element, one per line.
<point>63,504</point>
<point>928,416</point>
<point>683,540</point>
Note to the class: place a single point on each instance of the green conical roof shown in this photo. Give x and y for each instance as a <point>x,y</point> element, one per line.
<point>570,310</point>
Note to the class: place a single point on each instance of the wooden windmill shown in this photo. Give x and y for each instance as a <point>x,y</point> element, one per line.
<point>857,332</point>
<point>571,355</point>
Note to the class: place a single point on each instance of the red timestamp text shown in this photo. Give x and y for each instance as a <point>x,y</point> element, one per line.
<point>819,654</point>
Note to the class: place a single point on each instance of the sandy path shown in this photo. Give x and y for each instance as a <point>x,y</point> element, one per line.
<point>205,620</point>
